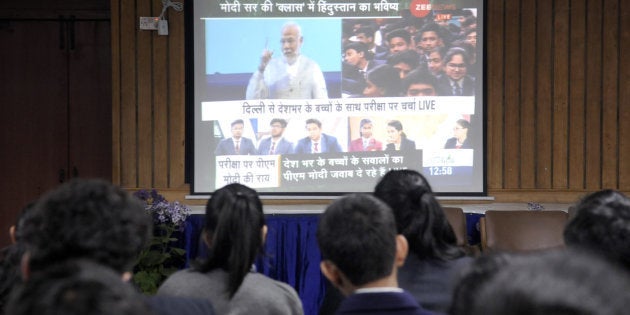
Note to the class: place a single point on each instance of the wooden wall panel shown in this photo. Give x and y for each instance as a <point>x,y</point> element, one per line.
<point>544,93</point>
<point>527,95</point>
<point>127,84</point>
<point>624,96</point>
<point>144,84</point>
<point>610,102</point>
<point>494,105</point>
<point>176,97</point>
<point>556,96</point>
<point>560,101</point>
<point>577,74</point>
<point>512,107</point>
<point>594,71</point>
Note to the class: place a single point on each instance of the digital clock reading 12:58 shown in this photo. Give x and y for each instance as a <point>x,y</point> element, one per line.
<point>440,170</point>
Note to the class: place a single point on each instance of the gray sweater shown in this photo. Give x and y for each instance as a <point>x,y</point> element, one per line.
<point>257,294</point>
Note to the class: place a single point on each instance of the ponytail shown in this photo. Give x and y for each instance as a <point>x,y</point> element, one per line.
<point>234,219</point>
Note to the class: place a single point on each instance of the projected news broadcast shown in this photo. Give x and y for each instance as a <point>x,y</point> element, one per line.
<point>324,97</point>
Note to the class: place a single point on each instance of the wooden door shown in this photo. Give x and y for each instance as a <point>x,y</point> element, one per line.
<point>90,99</point>
<point>55,91</point>
<point>33,94</point>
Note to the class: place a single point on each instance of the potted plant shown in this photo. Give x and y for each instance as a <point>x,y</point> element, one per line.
<point>161,257</point>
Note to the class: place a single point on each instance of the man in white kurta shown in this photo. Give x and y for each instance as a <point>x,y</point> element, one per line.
<point>293,76</point>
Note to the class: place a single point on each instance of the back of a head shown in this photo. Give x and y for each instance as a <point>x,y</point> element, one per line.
<point>358,234</point>
<point>86,219</point>
<point>387,78</point>
<point>602,224</point>
<point>76,288</point>
<point>556,282</point>
<point>234,223</point>
<point>419,216</point>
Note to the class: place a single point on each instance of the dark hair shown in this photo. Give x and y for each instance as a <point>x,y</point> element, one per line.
<point>358,234</point>
<point>456,51</point>
<point>236,122</point>
<point>11,258</point>
<point>76,288</point>
<point>281,121</point>
<point>387,78</point>
<point>314,121</point>
<point>409,57</point>
<point>464,123</point>
<point>365,29</point>
<point>396,124</point>
<point>419,216</point>
<point>602,224</point>
<point>555,282</point>
<point>234,222</point>
<point>87,219</point>
<point>432,27</point>
<point>418,76</point>
<point>474,276</point>
<point>400,32</point>
<point>356,46</point>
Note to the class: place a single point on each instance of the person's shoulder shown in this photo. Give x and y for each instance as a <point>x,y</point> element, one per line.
<point>261,291</point>
<point>177,305</point>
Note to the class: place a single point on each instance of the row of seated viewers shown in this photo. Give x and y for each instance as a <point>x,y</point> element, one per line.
<point>390,252</point>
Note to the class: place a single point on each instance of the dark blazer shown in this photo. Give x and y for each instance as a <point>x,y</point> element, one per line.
<point>431,281</point>
<point>405,145</point>
<point>353,79</point>
<point>327,143</point>
<point>282,147</point>
<point>452,142</point>
<point>226,147</point>
<point>382,303</point>
<point>444,87</point>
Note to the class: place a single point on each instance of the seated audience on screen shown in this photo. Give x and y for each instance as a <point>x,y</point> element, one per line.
<point>366,141</point>
<point>236,144</point>
<point>367,35</point>
<point>404,62</point>
<point>235,231</point>
<point>76,287</point>
<point>317,141</point>
<point>455,81</point>
<point>397,139</point>
<point>430,37</point>
<point>419,83</point>
<point>382,81</point>
<point>94,220</point>
<point>460,139</point>
<point>276,143</point>
<point>602,224</point>
<point>551,283</point>
<point>357,63</point>
<point>361,252</point>
<point>398,40</point>
<point>434,61</point>
<point>293,76</point>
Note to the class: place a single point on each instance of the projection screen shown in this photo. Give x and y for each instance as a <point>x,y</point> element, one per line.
<point>319,98</point>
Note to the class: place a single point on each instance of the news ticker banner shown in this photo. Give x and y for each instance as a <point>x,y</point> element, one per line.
<point>296,171</point>
<point>332,8</point>
<point>283,108</point>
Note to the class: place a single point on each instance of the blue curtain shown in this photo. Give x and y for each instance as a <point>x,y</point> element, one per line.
<point>291,254</point>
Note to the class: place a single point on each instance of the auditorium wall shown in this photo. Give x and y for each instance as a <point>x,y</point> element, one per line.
<point>558,99</point>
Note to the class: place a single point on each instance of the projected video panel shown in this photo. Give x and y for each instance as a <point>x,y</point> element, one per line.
<point>323,98</point>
